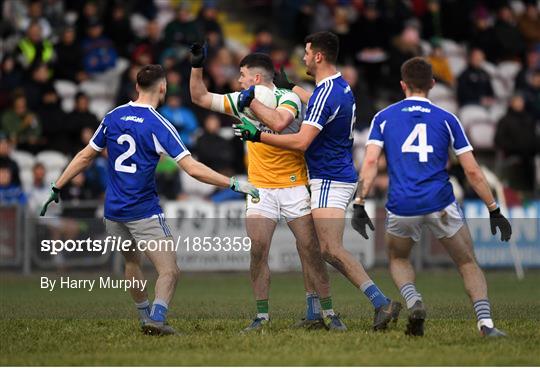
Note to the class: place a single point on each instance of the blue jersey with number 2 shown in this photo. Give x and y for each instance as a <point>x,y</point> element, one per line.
<point>416,136</point>
<point>331,109</point>
<point>135,136</point>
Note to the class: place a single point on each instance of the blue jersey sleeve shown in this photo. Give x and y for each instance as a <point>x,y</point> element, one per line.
<point>318,110</point>
<point>376,130</point>
<point>99,141</point>
<point>458,138</point>
<point>167,140</point>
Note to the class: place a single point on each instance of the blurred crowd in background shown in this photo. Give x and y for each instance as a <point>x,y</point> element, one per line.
<point>66,63</point>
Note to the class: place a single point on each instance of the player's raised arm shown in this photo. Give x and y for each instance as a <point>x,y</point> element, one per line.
<point>199,94</point>
<point>80,162</point>
<point>479,183</point>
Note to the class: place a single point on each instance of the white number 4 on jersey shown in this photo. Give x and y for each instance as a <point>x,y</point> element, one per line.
<point>420,132</point>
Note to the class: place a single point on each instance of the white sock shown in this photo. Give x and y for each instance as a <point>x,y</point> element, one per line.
<point>328,312</point>
<point>143,308</point>
<point>485,322</point>
<point>265,316</point>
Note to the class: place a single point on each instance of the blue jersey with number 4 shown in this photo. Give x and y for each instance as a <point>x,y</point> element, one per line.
<point>416,136</point>
<point>331,109</point>
<point>135,136</point>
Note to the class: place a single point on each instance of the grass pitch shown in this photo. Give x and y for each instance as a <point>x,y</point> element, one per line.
<point>77,327</point>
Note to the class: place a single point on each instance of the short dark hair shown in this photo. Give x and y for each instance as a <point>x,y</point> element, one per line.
<point>149,75</point>
<point>259,60</point>
<point>417,74</point>
<point>326,43</point>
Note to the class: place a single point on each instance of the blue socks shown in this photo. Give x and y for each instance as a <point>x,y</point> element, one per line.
<point>375,296</point>
<point>159,311</point>
<point>313,310</point>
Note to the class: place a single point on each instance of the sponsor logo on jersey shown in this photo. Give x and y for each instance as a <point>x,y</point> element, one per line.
<point>416,108</point>
<point>136,119</point>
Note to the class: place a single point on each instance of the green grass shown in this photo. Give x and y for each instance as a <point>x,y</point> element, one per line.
<point>76,327</point>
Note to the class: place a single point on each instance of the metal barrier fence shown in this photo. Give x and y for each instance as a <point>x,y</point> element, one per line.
<point>21,236</point>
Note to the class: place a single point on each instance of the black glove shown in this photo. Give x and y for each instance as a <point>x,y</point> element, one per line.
<point>497,220</point>
<point>198,54</point>
<point>360,220</point>
<point>282,81</point>
<point>54,196</point>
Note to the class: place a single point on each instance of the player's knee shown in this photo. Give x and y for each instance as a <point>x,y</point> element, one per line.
<point>258,257</point>
<point>258,251</point>
<point>329,254</point>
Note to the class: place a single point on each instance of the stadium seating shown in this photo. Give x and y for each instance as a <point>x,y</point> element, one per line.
<point>473,114</point>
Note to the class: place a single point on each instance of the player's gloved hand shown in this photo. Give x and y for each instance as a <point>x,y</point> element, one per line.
<point>54,196</point>
<point>360,219</point>
<point>245,98</point>
<point>497,220</point>
<point>282,81</point>
<point>247,131</point>
<point>198,54</point>
<point>244,187</point>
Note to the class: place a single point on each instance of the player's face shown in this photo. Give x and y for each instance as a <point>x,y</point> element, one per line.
<point>309,59</point>
<point>248,77</point>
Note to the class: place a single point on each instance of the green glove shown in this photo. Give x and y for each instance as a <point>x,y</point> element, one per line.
<point>243,187</point>
<point>247,131</point>
<point>54,196</point>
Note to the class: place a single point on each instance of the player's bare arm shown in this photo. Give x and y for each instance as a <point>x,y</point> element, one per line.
<point>476,178</point>
<point>80,162</point>
<point>299,141</point>
<point>478,181</point>
<point>199,94</point>
<point>368,173</point>
<point>276,119</point>
<point>302,93</point>
<point>205,174</point>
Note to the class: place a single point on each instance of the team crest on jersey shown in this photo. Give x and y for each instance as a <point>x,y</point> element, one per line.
<point>416,108</point>
<point>136,119</point>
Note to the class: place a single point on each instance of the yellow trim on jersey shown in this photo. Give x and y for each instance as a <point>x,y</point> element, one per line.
<point>289,108</point>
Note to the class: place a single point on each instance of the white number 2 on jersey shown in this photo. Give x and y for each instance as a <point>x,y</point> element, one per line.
<point>119,162</point>
<point>420,132</point>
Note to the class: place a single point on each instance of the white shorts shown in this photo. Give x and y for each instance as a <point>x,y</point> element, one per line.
<point>331,194</point>
<point>275,203</point>
<point>443,224</point>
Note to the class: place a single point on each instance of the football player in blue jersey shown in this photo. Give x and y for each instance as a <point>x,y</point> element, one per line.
<point>415,136</point>
<point>135,136</point>
<point>326,138</point>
